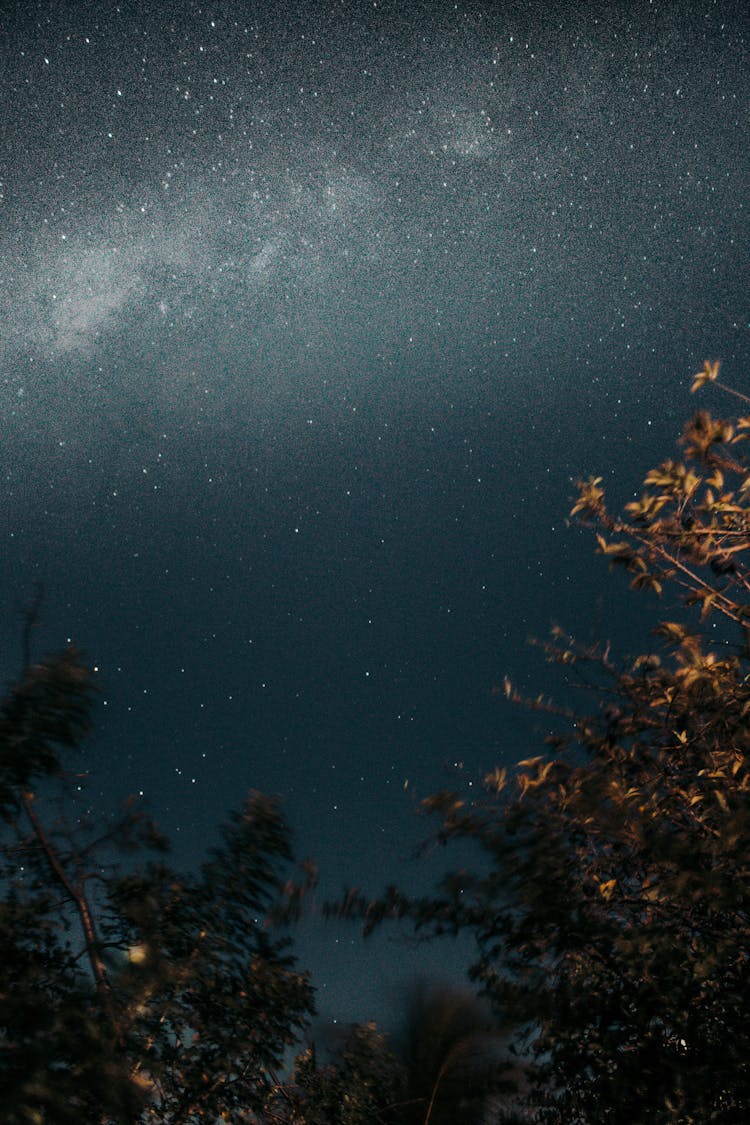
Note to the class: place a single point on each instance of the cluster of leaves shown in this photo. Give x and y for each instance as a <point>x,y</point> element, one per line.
<point>691,526</point>
<point>611,908</point>
<point>210,1000</point>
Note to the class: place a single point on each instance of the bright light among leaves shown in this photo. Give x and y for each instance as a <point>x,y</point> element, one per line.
<point>137,954</point>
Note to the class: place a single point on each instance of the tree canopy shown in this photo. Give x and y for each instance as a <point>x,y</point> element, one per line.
<point>130,991</point>
<point>611,905</point>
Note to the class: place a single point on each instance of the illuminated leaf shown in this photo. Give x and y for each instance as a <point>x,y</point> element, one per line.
<point>708,374</point>
<point>606,889</point>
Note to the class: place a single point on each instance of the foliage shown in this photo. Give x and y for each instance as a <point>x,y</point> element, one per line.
<point>130,993</point>
<point>362,1084</point>
<point>447,1065</point>
<point>611,908</point>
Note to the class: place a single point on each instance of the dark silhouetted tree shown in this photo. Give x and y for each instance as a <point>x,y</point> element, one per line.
<point>130,992</point>
<point>360,1083</point>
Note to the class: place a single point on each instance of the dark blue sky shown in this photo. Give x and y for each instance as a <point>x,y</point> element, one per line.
<point>310,315</point>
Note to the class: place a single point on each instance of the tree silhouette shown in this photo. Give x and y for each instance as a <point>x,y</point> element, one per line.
<point>130,992</point>
<point>360,1083</point>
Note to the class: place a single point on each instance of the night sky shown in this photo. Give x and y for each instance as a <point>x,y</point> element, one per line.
<point>311,315</point>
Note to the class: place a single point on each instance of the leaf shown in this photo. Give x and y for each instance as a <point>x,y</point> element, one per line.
<point>606,890</point>
<point>646,582</point>
<point>496,780</point>
<point>708,374</point>
<point>590,498</point>
<point>707,601</point>
<point>672,630</point>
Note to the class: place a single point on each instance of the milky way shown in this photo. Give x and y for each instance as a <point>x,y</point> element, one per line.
<point>359,189</point>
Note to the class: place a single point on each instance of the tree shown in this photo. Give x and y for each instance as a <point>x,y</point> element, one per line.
<point>611,904</point>
<point>447,1064</point>
<point>361,1083</point>
<point>130,992</point>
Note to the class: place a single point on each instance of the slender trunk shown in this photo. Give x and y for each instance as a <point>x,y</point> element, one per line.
<point>76,894</point>
<point>456,1050</point>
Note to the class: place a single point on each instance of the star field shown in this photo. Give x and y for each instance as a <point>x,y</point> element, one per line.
<point>310,316</point>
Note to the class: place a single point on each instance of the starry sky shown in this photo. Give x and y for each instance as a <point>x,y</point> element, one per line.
<point>311,315</point>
